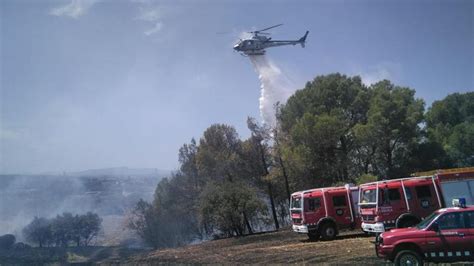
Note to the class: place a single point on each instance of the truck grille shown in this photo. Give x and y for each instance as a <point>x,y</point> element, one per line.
<point>296,221</point>
<point>370,218</point>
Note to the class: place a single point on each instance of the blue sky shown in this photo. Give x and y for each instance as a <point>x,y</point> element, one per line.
<point>92,84</point>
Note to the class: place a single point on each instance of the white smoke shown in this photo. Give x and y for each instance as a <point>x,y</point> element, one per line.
<point>275,87</point>
<point>22,197</point>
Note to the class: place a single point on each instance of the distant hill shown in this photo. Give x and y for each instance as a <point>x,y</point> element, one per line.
<point>122,172</point>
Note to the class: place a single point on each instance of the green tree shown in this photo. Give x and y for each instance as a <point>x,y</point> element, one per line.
<point>176,199</point>
<point>316,125</point>
<point>64,230</point>
<point>88,227</point>
<point>450,122</point>
<point>38,231</point>
<point>366,178</point>
<point>150,225</point>
<point>222,204</point>
<point>315,139</point>
<point>393,126</point>
<point>218,153</point>
<point>428,155</point>
<point>187,160</point>
<point>181,190</point>
<point>260,160</point>
<point>460,144</point>
<point>280,165</point>
<point>219,157</point>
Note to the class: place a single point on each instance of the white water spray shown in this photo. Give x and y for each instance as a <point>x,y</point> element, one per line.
<point>275,87</point>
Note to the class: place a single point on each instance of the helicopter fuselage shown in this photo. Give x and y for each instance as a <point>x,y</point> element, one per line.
<point>258,43</point>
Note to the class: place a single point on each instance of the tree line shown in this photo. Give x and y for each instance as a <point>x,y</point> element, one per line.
<point>63,230</point>
<point>335,130</point>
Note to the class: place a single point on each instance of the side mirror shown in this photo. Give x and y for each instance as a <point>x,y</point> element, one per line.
<point>435,227</point>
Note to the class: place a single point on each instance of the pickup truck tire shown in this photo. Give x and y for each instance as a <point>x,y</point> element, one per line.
<point>328,231</point>
<point>408,257</point>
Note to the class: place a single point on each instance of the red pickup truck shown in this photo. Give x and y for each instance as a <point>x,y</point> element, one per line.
<point>447,235</point>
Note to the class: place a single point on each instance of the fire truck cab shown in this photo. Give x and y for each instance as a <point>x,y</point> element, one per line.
<point>321,212</point>
<point>397,203</point>
<point>400,203</point>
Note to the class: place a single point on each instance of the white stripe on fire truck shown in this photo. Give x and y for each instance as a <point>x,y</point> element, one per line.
<point>449,254</point>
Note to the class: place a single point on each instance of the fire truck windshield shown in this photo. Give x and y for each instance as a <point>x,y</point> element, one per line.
<point>368,196</point>
<point>423,224</point>
<point>296,203</point>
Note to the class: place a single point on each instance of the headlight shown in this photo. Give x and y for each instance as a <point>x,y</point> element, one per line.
<point>379,239</point>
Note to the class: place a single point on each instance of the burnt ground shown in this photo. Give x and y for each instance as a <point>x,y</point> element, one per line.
<point>283,247</point>
<point>64,256</point>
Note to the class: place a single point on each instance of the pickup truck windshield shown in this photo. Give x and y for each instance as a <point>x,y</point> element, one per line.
<point>423,224</point>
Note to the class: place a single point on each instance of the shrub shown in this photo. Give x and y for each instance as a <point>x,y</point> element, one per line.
<point>7,241</point>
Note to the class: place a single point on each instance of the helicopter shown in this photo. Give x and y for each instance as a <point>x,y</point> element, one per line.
<point>257,44</point>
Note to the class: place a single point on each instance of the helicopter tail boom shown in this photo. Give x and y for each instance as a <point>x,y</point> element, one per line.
<point>302,40</point>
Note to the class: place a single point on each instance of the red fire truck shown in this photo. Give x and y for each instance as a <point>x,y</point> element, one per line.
<point>404,202</point>
<point>321,212</point>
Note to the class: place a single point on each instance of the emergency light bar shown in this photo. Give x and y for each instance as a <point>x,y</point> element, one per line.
<point>461,202</point>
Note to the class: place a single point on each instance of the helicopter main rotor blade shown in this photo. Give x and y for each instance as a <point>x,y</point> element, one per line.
<point>271,27</point>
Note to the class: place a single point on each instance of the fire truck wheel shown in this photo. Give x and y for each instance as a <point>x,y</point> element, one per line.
<point>328,231</point>
<point>408,257</point>
<point>313,236</point>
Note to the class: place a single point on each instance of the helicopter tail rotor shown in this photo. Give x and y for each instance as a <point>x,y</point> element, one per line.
<point>302,40</point>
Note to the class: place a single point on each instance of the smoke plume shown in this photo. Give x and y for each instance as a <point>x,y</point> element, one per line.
<point>275,87</point>
<point>106,192</point>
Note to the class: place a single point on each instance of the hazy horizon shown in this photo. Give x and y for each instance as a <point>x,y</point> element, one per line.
<point>106,171</point>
